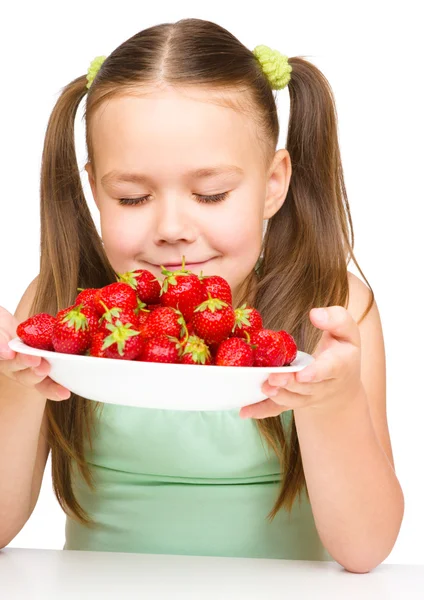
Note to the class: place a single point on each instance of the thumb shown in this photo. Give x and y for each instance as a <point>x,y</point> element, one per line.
<point>338,322</point>
<point>8,324</point>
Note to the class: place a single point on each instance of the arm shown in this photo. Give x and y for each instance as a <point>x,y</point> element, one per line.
<point>340,417</point>
<point>355,496</point>
<point>23,447</point>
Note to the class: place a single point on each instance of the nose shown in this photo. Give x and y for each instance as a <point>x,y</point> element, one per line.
<point>174,222</point>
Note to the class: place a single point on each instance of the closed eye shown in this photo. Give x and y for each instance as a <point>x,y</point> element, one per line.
<point>200,198</point>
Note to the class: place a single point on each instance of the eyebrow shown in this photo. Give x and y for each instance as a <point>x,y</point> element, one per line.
<point>203,173</point>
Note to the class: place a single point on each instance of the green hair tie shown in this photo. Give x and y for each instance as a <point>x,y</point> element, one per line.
<point>93,69</point>
<point>275,66</point>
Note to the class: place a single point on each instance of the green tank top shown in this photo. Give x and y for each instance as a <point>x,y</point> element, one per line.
<point>194,483</point>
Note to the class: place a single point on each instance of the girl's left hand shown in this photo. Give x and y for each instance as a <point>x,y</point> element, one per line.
<point>334,377</point>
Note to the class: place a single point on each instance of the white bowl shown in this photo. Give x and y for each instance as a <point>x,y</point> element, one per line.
<point>159,385</point>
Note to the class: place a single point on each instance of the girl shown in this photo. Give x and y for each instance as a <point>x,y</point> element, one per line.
<point>182,128</point>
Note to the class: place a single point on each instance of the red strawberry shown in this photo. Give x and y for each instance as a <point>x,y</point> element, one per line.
<point>291,346</point>
<point>122,314</point>
<point>190,328</point>
<point>144,283</point>
<point>37,331</point>
<point>247,319</point>
<point>213,320</point>
<point>153,306</point>
<point>123,342</point>
<point>160,349</point>
<point>141,306</point>
<point>183,290</point>
<point>164,321</point>
<point>86,297</point>
<point>115,294</point>
<point>270,348</point>
<point>96,348</point>
<point>196,352</point>
<point>217,287</point>
<point>234,352</point>
<point>213,348</point>
<point>89,312</point>
<point>73,330</point>
<point>142,318</point>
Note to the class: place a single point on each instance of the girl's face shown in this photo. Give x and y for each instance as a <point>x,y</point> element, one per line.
<point>180,176</point>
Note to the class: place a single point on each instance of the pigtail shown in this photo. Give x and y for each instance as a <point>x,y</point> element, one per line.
<point>72,256</point>
<point>308,242</point>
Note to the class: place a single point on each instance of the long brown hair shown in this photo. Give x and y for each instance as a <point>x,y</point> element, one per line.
<point>306,248</point>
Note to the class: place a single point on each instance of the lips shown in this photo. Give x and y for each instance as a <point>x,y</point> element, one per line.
<point>179,265</point>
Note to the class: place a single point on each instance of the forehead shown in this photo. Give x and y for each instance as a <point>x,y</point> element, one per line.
<point>172,126</point>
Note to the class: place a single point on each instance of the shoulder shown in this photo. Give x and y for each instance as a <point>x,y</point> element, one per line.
<point>24,306</point>
<point>360,298</point>
<point>362,306</point>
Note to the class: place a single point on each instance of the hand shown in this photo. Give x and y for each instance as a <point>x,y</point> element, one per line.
<point>30,371</point>
<point>333,378</point>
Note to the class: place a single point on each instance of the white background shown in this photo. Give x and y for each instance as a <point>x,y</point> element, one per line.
<point>371,54</point>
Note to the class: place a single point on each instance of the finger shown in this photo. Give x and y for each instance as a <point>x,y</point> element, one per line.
<point>23,361</point>
<point>292,386</point>
<point>338,322</point>
<point>29,377</point>
<point>287,381</point>
<point>36,378</point>
<point>8,325</point>
<point>280,379</point>
<point>6,353</point>
<point>262,410</point>
<point>52,390</point>
<point>326,366</point>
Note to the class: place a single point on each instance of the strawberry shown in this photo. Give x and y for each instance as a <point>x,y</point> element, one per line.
<point>144,283</point>
<point>196,352</point>
<point>141,306</point>
<point>164,321</point>
<point>161,349</point>
<point>183,290</point>
<point>91,314</point>
<point>247,319</point>
<point>213,320</point>
<point>74,328</point>
<point>86,297</point>
<point>190,328</point>
<point>153,306</point>
<point>217,287</point>
<point>115,294</point>
<point>122,314</point>
<point>270,348</point>
<point>213,348</point>
<point>96,348</point>
<point>37,331</point>
<point>234,352</point>
<point>142,318</point>
<point>123,342</point>
<point>291,346</point>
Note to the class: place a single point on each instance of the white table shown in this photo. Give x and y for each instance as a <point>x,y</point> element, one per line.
<point>65,575</point>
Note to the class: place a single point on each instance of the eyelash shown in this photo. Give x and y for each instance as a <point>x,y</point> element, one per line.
<point>204,199</point>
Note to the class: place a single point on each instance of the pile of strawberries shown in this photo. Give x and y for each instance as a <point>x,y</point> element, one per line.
<point>186,318</point>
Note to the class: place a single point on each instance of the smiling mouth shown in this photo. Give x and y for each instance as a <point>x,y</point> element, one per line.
<point>179,265</point>
<point>176,266</point>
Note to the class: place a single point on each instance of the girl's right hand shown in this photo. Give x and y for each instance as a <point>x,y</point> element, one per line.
<point>30,371</point>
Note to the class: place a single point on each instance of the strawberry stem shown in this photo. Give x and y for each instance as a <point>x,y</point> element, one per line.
<point>119,336</point>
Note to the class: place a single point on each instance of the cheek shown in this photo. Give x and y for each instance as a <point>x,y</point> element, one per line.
<point>241,230</point>
<point>121,233</point>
